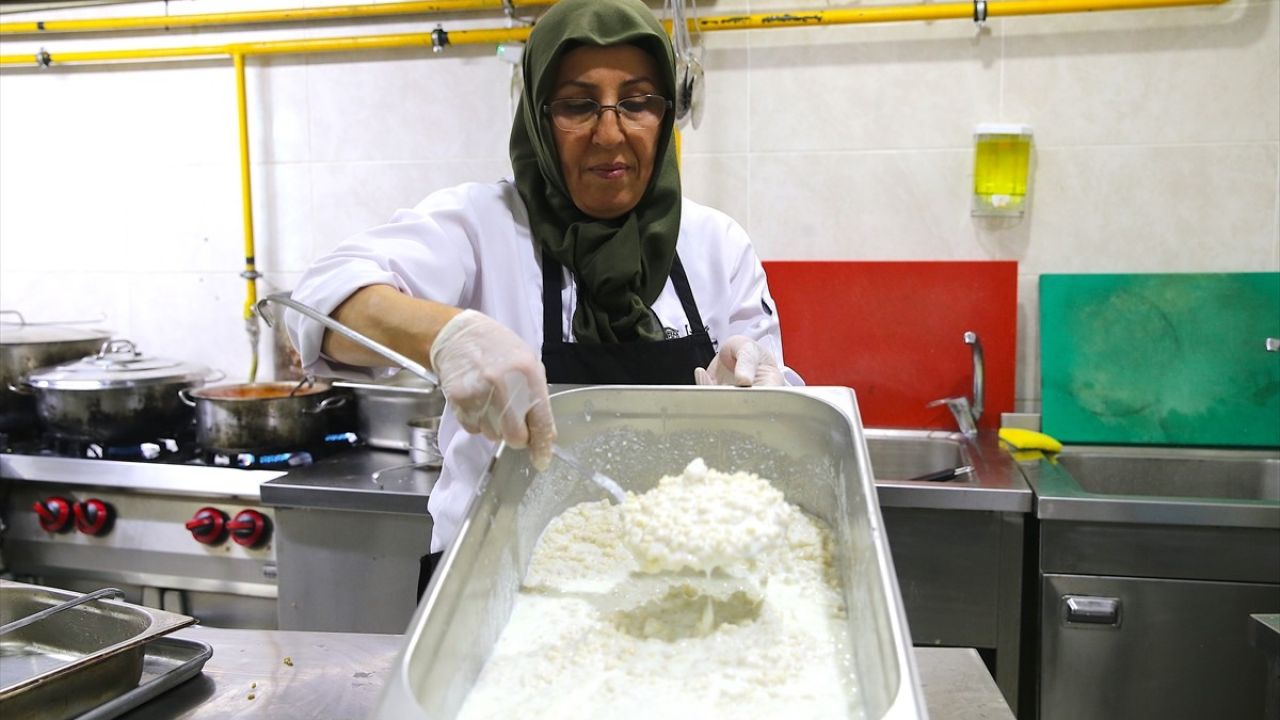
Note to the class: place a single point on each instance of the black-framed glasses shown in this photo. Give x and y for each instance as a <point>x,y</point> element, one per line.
<point>638,112</point>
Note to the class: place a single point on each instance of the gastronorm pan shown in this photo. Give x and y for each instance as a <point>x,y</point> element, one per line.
<point>808,441</point>
<point>170,661</point>
<point>75,660</point>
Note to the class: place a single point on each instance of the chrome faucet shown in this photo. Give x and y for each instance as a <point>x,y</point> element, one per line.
<point>967,412</point>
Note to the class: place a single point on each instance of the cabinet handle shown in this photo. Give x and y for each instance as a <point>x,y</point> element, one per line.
<point>1087,610</point>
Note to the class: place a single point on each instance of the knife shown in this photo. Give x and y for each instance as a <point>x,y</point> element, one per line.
<point>944,475</point>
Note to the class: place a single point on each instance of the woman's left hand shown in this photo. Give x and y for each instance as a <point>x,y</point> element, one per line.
<point>742,362</point>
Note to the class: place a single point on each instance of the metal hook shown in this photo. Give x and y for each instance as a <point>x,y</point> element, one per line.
<point>979,12</point>
<point>43,58</point>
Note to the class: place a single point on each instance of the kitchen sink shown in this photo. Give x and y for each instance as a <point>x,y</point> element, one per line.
<point>1185,486</point>
<point>899,456</point>
<point>906,454</point>
<point>1224,475</point>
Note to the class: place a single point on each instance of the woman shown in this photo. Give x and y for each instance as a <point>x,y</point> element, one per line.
<point>589,267</point>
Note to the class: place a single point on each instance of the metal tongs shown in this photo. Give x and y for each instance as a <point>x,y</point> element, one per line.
<point>38,616</point>
<point>603,481</point>
<point>343,330</point>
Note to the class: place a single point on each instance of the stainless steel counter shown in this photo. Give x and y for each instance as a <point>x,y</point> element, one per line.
<point>276,674</point>
<point>167,478</point>
<point>364,479</point>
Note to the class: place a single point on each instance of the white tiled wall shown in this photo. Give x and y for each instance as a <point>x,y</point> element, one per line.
<point>1157,150</point>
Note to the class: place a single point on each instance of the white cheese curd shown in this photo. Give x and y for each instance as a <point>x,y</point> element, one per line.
<point>571,650</point>
<point>703,519</point>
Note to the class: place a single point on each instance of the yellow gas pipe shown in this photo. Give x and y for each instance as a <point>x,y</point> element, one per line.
<point>255,17</point>
<point>438,38</point>
<point>759,21</point>
<point>250,273</point>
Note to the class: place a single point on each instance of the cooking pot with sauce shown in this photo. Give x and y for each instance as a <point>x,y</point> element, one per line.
<point>117,395</point>
<point>25,347</point>
<point>264,416</point>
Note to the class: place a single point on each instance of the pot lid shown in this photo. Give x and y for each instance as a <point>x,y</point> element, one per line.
<point>118,364</point>
<point>23,334</point>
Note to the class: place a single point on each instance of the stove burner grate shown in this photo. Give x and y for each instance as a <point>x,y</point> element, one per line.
<point>177,451</point>
<point>251,459</point>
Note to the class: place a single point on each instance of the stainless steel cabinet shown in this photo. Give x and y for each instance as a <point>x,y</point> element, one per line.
<point>960,573</point>
<point>1126,647</point>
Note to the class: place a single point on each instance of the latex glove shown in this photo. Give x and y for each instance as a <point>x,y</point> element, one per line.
<point>742,362</point>
<point>495,383</point>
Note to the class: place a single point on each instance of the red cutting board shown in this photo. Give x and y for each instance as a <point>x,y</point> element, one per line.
<point>894,332</point>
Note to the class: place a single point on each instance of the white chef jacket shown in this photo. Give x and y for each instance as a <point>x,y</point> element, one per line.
<point>470,247</point>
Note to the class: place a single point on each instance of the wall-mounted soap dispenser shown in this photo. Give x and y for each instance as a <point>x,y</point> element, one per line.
<point>1001,166</point>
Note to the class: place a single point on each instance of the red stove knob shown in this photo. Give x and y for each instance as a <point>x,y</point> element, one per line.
<point>208,526</point>
<point>54,513</point>
<point>94,517</point>
<point>250,528</point>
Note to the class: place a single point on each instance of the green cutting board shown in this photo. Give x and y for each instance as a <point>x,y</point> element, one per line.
<point>1161,359</point>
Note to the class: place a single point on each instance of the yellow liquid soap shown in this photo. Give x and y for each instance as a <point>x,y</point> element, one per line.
<point>1000,170</point>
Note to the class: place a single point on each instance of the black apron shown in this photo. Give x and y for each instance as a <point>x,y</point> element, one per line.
<point>666,362</point>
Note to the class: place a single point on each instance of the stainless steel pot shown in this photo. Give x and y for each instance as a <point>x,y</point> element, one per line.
<point>117,395</point>
<point>263,416</point>
<point>384,410</point>
<point>424,441</point>
<point>27,346</point>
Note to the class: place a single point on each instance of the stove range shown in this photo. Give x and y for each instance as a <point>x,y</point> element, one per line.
<point>173,525</point>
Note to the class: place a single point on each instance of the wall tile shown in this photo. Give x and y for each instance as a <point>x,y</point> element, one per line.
<point>1027,374</point>
<point>909,85</point>
<point>727,116</point>
<point>207,328</point>
<point>865,206</point>
<point>719,181</point>
<point>59,296</point>
<point>278,108</point>
<point>72,217</point>
<point>186,219</point>
<point>1193,75</point>
<point>283,217</point>
<point>1207,208</point>
<point>407,106</point>
<point>350,197</point>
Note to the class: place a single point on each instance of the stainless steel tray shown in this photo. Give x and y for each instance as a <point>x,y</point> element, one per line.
<point>169,662</point>
<point>809,441</point>
<point>75,660</point>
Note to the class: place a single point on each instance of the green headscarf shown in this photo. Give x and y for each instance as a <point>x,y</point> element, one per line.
<point>621,264</point>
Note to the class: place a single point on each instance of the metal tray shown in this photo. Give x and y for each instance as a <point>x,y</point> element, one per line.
<point>75,660</point>
<point>809,441</point>
<point>169,662</point>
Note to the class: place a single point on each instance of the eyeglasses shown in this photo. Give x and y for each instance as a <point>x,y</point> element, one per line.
<point>639,112</point>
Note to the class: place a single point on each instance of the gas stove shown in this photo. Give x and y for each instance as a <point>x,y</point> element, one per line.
<point>173,525</point>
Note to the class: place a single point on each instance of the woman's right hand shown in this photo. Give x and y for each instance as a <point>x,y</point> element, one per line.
<point>496,383</point>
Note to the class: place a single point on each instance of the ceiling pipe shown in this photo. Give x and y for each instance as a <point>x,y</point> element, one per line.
<point>979,10</point>
<point>259,17</point>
